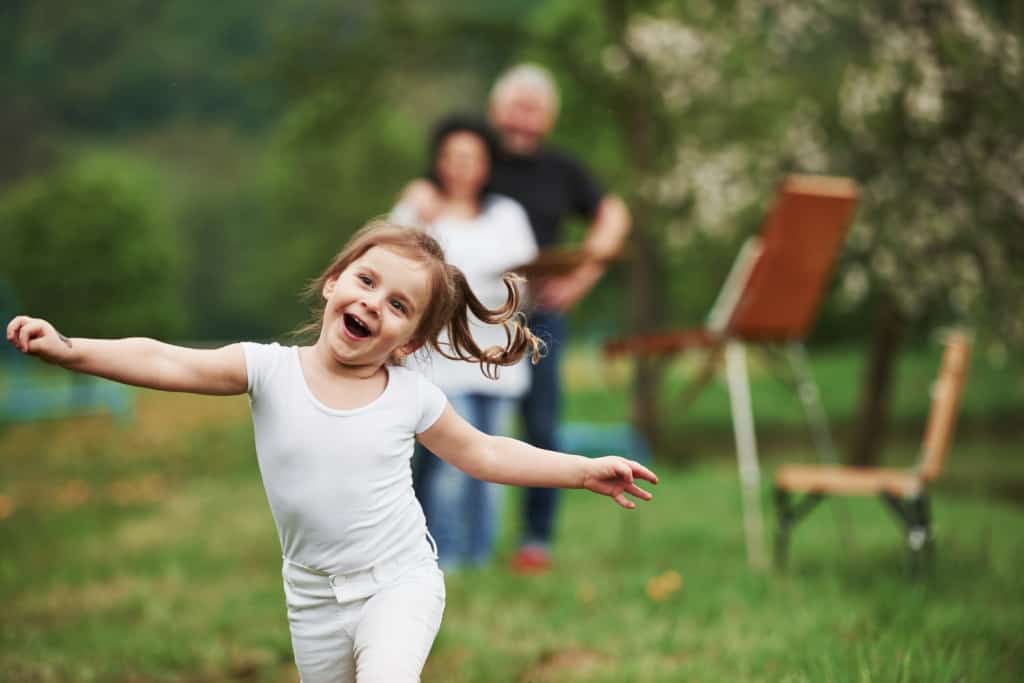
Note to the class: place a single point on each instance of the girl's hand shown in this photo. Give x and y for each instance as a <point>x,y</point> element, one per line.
<point>614,476</point>
<point>37,337</point>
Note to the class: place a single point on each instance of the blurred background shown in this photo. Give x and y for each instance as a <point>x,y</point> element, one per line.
<point>180,169</point>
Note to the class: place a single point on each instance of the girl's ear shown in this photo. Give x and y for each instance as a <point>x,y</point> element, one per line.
<point>328,289</point>
<point>408,348</point>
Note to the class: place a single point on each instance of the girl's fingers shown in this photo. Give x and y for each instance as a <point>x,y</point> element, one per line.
<point>30,331</point>
<point>14,326</point>
<point>623,501</point>
<point>623,471</point>
<point>23,336</point>
<point>642,472</point>
<point>635,490</point>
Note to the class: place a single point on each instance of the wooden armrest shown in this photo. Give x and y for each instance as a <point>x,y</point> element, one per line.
<point>662,343</point>
<point>555,261</point>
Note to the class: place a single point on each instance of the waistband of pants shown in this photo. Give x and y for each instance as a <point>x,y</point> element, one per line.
<point>380,572</point>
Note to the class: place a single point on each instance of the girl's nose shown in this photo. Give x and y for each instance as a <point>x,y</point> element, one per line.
<point>372,304</point>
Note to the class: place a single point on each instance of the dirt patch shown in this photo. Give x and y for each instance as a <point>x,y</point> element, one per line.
<point>554,666</point>
<point>160,419</point>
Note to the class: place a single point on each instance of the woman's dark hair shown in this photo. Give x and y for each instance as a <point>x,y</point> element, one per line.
<point>462,123</point>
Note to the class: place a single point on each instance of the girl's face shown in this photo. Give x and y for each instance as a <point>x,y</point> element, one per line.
<point>463,165</point>
<point>374,306</point>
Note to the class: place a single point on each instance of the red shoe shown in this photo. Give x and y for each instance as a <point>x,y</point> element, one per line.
<point>531,560</point>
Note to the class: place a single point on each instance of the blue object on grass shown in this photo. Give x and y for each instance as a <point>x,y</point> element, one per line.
<point>25,396</point>
<point>595,439</point>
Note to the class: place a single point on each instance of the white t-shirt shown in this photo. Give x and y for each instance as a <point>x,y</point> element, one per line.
<point>339,482</point>
<point>483,248</point>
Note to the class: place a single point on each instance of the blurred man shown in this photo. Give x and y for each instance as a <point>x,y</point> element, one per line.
<point>552,186</point>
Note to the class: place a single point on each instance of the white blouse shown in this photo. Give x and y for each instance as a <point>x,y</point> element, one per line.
<point>484,248</point>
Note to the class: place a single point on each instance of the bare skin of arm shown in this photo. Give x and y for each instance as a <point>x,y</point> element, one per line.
<point>604,240</point>
<point>138,361</point>
<point>509,461</point>
<point>424,199</point>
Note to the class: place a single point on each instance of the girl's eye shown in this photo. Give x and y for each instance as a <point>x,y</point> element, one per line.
<point>365,279</point>
<point>398,305</point>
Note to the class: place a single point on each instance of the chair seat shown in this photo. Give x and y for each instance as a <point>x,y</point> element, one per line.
<point>847,481</point>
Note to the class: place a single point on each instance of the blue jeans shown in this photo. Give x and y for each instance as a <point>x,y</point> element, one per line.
<point>541,411</point>
<point>462,512</point>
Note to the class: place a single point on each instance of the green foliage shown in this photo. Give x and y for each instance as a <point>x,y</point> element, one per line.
<point>692,111</point>
<point>114,65</point>
<point>87,247</point>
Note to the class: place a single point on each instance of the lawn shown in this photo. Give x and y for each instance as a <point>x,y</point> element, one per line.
<point>147,553</point>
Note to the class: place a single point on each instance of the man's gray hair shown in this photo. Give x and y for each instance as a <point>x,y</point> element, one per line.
<point>527,75</point>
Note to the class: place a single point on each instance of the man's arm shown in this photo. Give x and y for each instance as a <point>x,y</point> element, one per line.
<point>605,237</point>
<point>607,232</point>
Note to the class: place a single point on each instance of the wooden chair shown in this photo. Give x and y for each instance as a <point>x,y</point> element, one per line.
<point>904,491</point>
<point>770,299</point>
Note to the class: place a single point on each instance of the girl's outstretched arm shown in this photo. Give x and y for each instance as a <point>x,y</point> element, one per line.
<point>139,361</point>
<point>509,461</point>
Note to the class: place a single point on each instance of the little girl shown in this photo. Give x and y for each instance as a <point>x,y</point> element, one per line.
<point>335,424</point>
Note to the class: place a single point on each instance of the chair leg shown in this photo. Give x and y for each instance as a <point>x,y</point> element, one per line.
<point>919,536</point>
<point>914,513</point>
<point>789,513</point>
<point>784,508</point>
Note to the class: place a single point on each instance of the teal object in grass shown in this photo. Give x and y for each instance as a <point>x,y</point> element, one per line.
<point>595,439</point>
<point>26,395</point>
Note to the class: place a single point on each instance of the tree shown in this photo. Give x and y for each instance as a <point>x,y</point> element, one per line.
<point>916,100</point>
<point>85,248</point>
<point>927,118</point>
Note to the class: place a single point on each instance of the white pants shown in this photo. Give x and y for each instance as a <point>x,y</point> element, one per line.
<point>374,626</point>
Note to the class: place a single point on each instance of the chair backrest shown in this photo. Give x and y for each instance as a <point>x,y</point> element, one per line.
<point>735,284</point>
<point>797,250</point>
<point>946,394</point>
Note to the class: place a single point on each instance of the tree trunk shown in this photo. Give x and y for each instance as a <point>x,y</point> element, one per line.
<point>873,412</point>
<point>634,111</point>
<point>646,370</point>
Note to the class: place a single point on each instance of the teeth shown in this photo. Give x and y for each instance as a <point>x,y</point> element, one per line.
<point>357,324</point>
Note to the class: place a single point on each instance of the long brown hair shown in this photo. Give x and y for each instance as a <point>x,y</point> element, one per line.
<point>451,300</point>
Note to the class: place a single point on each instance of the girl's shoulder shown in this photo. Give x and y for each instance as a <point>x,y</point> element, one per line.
<point>418,393</point>
<point>425,398</point>
<point>263,360</point>
<point>267,350</point>
<point>406,377</point>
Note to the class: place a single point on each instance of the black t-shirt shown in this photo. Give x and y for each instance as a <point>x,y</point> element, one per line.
<point>551,186</point>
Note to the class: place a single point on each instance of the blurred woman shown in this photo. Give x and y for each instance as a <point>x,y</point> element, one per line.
<point>485,235</point>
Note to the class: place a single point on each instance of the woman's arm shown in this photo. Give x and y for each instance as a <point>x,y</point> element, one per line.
<point>422,197</point>
<point>138,361</point>
<point>508,461</point>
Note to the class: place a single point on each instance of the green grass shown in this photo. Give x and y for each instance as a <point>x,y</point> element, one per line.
<point>992,403</point>
<point>148,553</point>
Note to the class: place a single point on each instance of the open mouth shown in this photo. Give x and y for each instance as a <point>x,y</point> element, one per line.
<point>356,327</point>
